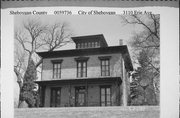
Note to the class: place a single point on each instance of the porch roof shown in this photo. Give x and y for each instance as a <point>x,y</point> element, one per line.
<point>80,80</point>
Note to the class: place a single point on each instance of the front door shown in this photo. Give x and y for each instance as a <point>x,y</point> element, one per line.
<point>80,96</point>
<point>55,97</point>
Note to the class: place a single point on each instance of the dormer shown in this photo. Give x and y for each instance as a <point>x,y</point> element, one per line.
<point>91,41</point>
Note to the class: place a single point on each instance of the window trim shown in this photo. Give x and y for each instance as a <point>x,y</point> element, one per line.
<point>81,59</point>
<point>57,61</point>
<point>104,57</point>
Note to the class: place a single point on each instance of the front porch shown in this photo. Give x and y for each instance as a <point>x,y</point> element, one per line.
<point>81,92</point>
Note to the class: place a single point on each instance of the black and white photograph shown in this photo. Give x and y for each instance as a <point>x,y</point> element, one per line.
<point>87,66</point>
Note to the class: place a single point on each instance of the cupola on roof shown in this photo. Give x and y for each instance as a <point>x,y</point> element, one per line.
<point>90,41</point>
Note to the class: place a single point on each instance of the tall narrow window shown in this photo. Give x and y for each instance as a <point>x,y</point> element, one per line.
<point>96,44</point>
<point>93,44</point>
<point>81,68</point>
<point>55,97</point>
<point>105,96</point>
<point>78,46</point>
<point>86,45</point>
<point>105,65</point>
<point>90,44</point>
<point>105,69</point>
<point>56,68</point>
<point>82,45</point>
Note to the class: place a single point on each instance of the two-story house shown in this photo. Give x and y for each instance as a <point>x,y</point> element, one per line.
<point>93,74</point>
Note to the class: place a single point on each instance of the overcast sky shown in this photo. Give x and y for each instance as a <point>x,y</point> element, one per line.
<point>111,27</point>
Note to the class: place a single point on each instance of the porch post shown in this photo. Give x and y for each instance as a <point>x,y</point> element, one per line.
<point>41,91</point>
<point>69,104</point>
<point>124,87</point>
<point>39,97</point>
<point>124,84</point>
<point>86,93</point>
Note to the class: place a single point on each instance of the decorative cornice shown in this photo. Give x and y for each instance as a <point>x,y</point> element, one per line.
<point>57,61</point>
<point>104,57</point>
<point>81,59</point>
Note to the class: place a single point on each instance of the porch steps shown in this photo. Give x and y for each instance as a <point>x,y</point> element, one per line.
<point>89,112</point>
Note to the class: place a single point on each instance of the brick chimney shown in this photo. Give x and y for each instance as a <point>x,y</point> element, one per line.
<point>120,42</point>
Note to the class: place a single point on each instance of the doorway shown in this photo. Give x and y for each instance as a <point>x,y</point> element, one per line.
<point>80,96</point>
<point>55,97</point>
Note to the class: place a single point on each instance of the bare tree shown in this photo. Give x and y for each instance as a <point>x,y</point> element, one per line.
<point>145,47</point>
<point>19,64</point>
<point>29,37</point>
<point>57,35</point>
<point>35,36</point>
<point>148,39</point>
